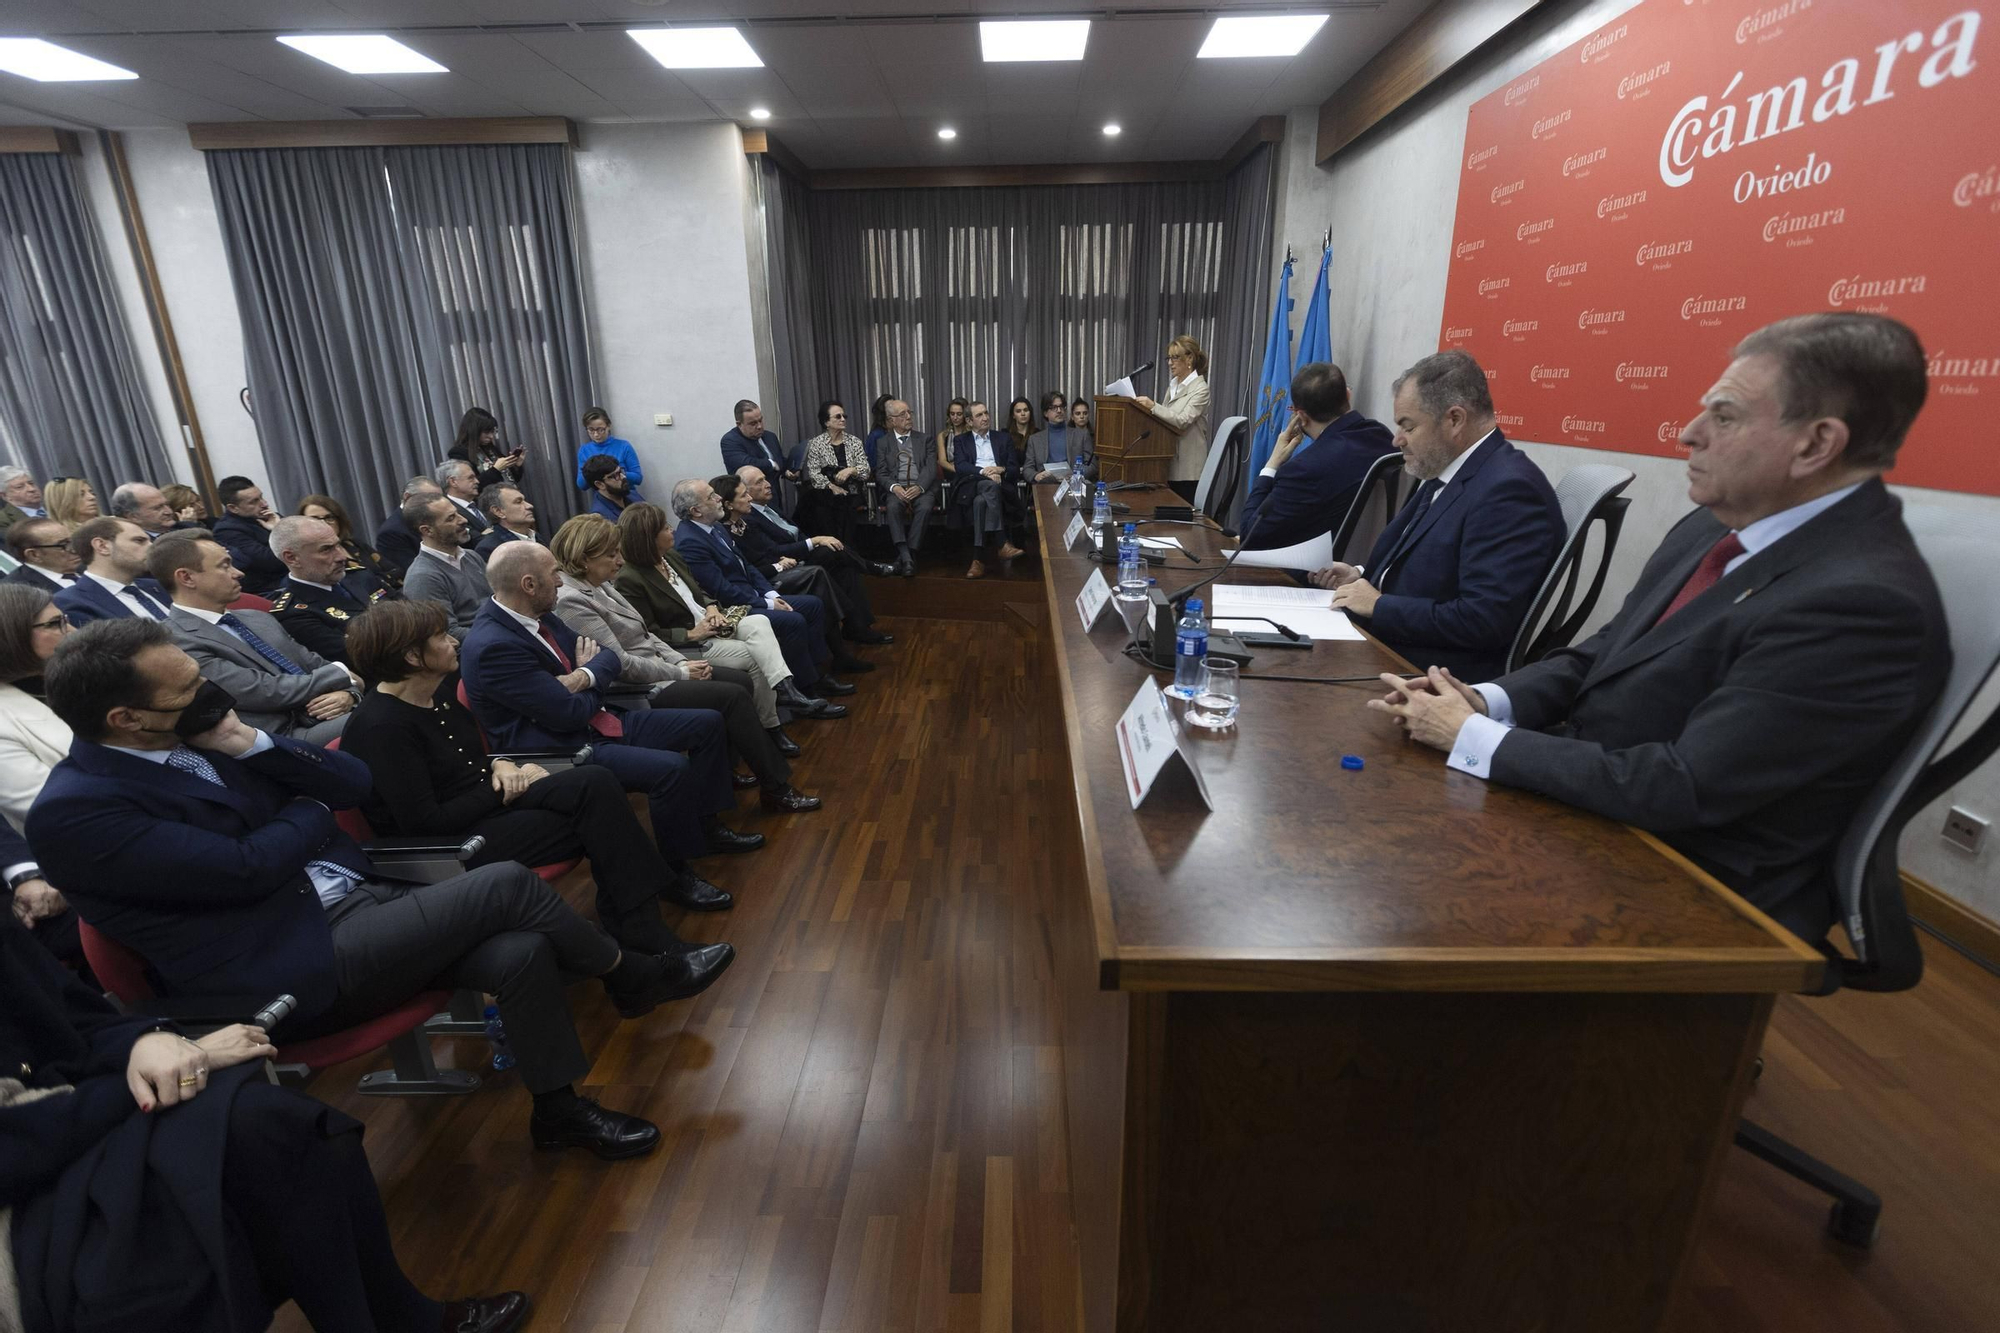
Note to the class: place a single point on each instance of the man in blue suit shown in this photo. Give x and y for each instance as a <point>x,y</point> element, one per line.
<point>211,849</point>
<point>711,555</point>
<point>750,445</point>
<point>534,685</point>
<point>1451,577</point>
<point>1318,465</point>
<point>112,584</point>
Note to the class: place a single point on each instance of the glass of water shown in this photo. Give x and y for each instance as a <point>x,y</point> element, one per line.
<point>1214,705</point>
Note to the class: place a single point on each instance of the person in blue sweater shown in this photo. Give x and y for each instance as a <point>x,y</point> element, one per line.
<point>598,439</point>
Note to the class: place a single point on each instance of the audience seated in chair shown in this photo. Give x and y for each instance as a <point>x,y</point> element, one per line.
<point>444,570</point>
<point>210,849</point>
<point>20,496</point>
<point>33,740</point>
<point>144,505</point>
<point>394,539</point>
<point>837,477</point>
<point>478,443</point>
<point>228,1195</point>
<point>1056,448</point>
<point>461,486</point>
<point>245,529</point>
<point>610,490</point>
<point>113,583</point>
<point>674,606</point>
<point>824,566</point>
<point>533,684</point>
<point>906,466</point>
<point>1321,458</point>
<point>748,444</point>
<point>190,510</point>
<point>48,561</point>
<point>71,501</point>
<point>321,596</point>
<point>433,779</point>
<point>278,684</point>
<point>986,469</point>
<point>511,516</point>
<point>363,560</point>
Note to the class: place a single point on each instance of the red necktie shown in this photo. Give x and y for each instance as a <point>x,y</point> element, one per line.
<point>1705,574</point>
<point>602,721</point>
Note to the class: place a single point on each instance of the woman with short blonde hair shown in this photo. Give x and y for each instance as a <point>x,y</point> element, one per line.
<point>1186,410</point>
<point>71,502</point>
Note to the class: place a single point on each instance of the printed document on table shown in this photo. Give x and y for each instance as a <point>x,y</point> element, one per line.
<point>1308,611</point>
<point>1313,553</point>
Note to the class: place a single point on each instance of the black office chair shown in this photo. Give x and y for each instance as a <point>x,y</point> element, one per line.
<point>1385,474</point>
<point>1588,493</point>
<point>1866,880</point>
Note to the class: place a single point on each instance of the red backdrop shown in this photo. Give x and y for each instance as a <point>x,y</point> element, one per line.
<point>1695,169</point>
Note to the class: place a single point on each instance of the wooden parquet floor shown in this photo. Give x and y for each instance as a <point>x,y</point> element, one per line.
<point>863,1121</point>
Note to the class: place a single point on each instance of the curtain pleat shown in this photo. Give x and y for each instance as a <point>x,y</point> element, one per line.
<point>71,398</point>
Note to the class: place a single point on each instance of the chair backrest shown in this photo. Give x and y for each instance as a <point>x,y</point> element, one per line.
<point>250,601</point>
<point>1588,492</point>
<point>122,970</point>
<point>1385,475</point>
<point>1962,552</point>
<point>351,821</point>
<point>1216,448</point>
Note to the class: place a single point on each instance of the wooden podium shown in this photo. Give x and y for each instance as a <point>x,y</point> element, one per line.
<point>1121,454</point>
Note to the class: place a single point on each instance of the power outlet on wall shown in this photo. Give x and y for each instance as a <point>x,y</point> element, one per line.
<point>663,418</point>
<point>1963,829</point>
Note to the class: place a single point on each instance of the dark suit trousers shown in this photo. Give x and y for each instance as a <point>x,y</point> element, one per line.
<point>817,581</point>
<point>845,569</point>
<point>498,929</point>
<point>729,694</point>
<point>801,636</point>
<point>582,812</point>
<point>312,1218</point>
<point>681,788</point>
<point>908,518</point>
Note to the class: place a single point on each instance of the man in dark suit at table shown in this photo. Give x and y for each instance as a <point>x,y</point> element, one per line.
<point>1450,579</point>
<point>1317,466</point>
<point>1777,649</point>
<point>750,445</point>
<point>216,857</point>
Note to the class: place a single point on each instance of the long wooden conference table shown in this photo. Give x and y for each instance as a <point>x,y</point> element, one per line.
<point>1382,1049</point>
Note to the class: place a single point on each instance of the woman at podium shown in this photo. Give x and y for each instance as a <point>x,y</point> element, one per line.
<point>1186,410</point>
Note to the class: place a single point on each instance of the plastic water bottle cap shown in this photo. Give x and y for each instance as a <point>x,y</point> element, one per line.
<point>1350,761</point>
<point>492,1011</point>
<point>1193,605</point>
<point>1131,528</point>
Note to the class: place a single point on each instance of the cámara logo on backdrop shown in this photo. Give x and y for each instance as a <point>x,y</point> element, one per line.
<point>1515,328</point>
<point>1857,288</point>
<point>1579,164</point>
<point>1548,125</point>
<point>1704,308</point>
<point>1531,232</point>
<point>1796,229</point>
<point>1560,274</point>
<point>1976,187</point>
<point>1615,206</point>
<point>1457,335</point>
<point>1502,192</point>
<point>1477,159</point>
<point>1509,420</point>
<point>1956,376</point>
<point>1668,433</point>
<point>1519,92</point>
<point>1467,249</point>
<point>1494,286</point>
<point>1635,84</point>
<point>1595,321</point>
<point>1636,375</point>
<point>1661,254</point>
<point>1807,174</point>
<point>1583,426</point>
<point>1596,48</point>
<point>1782,106</point>
<point>1763,25</point>
<point>1547,375</point>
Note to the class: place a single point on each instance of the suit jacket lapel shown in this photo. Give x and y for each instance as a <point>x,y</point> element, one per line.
<point>107,762</point>
<point>220,639</point>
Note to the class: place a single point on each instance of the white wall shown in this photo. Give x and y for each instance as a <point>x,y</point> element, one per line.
<point>667,268</point>
<point>1391,199</point>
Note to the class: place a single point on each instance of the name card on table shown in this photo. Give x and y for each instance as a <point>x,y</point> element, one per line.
<point>1062,491</point>
<point>1076,527</point>
<point>1090,603</point>
<point>1148,737</point>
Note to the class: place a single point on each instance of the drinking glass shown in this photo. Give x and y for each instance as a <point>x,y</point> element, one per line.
<point>1214,705</point>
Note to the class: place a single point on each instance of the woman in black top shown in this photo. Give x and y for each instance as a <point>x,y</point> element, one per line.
<point>361,557</point>
<point>478,443</point>
<point>433,779</point>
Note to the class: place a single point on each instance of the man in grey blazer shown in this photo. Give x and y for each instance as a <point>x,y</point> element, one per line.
<point>1777,649</point>
<point>280,686</point>
<point>444,570</point>
<point>906,467</point>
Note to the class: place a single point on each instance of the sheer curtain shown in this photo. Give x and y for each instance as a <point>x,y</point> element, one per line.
<point>994,293</point>
<point>384,291</point>
<point>71,399</point>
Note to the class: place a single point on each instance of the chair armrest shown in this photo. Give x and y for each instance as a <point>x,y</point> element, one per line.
<point>461,849</point>
<point>572,757</point>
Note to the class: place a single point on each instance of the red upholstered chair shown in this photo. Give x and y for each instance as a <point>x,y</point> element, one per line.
<point>250,601</point>
<point>412,1071</point>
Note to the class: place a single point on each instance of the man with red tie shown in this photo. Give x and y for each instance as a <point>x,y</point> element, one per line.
<point>1776,650</point>
<point>533,684</point>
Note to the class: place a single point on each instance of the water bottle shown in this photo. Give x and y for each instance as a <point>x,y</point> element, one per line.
<point>1131,571</point>
<point>1100,516</point>
<point>496,1032</point>
<point>1190,652</point>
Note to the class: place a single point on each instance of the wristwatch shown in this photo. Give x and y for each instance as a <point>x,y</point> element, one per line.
<point>20,877</point>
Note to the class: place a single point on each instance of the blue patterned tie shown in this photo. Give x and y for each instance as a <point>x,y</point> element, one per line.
<point>261,648</point>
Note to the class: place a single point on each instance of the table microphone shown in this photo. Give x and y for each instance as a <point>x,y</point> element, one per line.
<point>274,1013</point>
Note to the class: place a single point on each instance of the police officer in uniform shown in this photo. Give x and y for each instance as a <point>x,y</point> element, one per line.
<point>318,617</point>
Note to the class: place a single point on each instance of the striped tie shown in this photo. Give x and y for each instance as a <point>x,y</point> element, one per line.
<point>264,650</point>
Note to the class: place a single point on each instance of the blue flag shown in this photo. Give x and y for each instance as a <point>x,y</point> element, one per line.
<point>1274,388</point>
<point>1314,344</point>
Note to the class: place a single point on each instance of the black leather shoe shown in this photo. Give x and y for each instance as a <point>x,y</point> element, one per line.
<point>822,711</point>
<point>871,636</point>
<point>782,743</point>
<point>743,781</point>
<point>696,894</point>
<point>907,567</point>
<point>486,1314</point>
<point>880,570</point>
<point>789,801</point>
<point>698,967</point>
<point>609,1134</point>
<point>829,688</point>
<point>722,839</point>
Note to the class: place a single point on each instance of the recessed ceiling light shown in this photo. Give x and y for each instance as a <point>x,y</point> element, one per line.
<point>1113,130</point>
<point>1038,39</point>
<point>760,113</point>
<point>374,54</point>
<point>947,132</point>
<point>45,62</point>
<point>1273,35</point>
<point>697,48</point>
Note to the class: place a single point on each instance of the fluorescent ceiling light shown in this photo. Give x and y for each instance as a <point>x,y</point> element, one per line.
<point>947,133</point>
<point>1039,39</point>
<point>1113,130</point>
<point>1275,35</point>
<point>760,113</point>
<point>45,62</point>
<point>368,54</point>
<point>697,48</point>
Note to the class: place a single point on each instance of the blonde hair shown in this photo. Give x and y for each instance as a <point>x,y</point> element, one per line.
<point>581,540</point>
<point>63,497</point>
<point>1196,357</point>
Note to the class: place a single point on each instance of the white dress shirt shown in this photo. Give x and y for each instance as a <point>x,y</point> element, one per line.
<point>1478,737</point>
<point>534,628</point>
<point>130,595</point>
<point>982,444</point>
<point>451,557</point>
<point>50,577</point>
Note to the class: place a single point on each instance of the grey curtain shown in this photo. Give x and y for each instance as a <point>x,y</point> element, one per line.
<point>998,293</point>
<point>782,209</point>
<point>384,291</point>
<point>71,398</point>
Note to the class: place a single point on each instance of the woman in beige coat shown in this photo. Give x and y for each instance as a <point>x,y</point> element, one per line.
<point>1186,410</point>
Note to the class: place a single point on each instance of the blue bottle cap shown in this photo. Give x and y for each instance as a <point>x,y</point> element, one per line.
<point>1131,529</point>
<point>1350,761</point>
